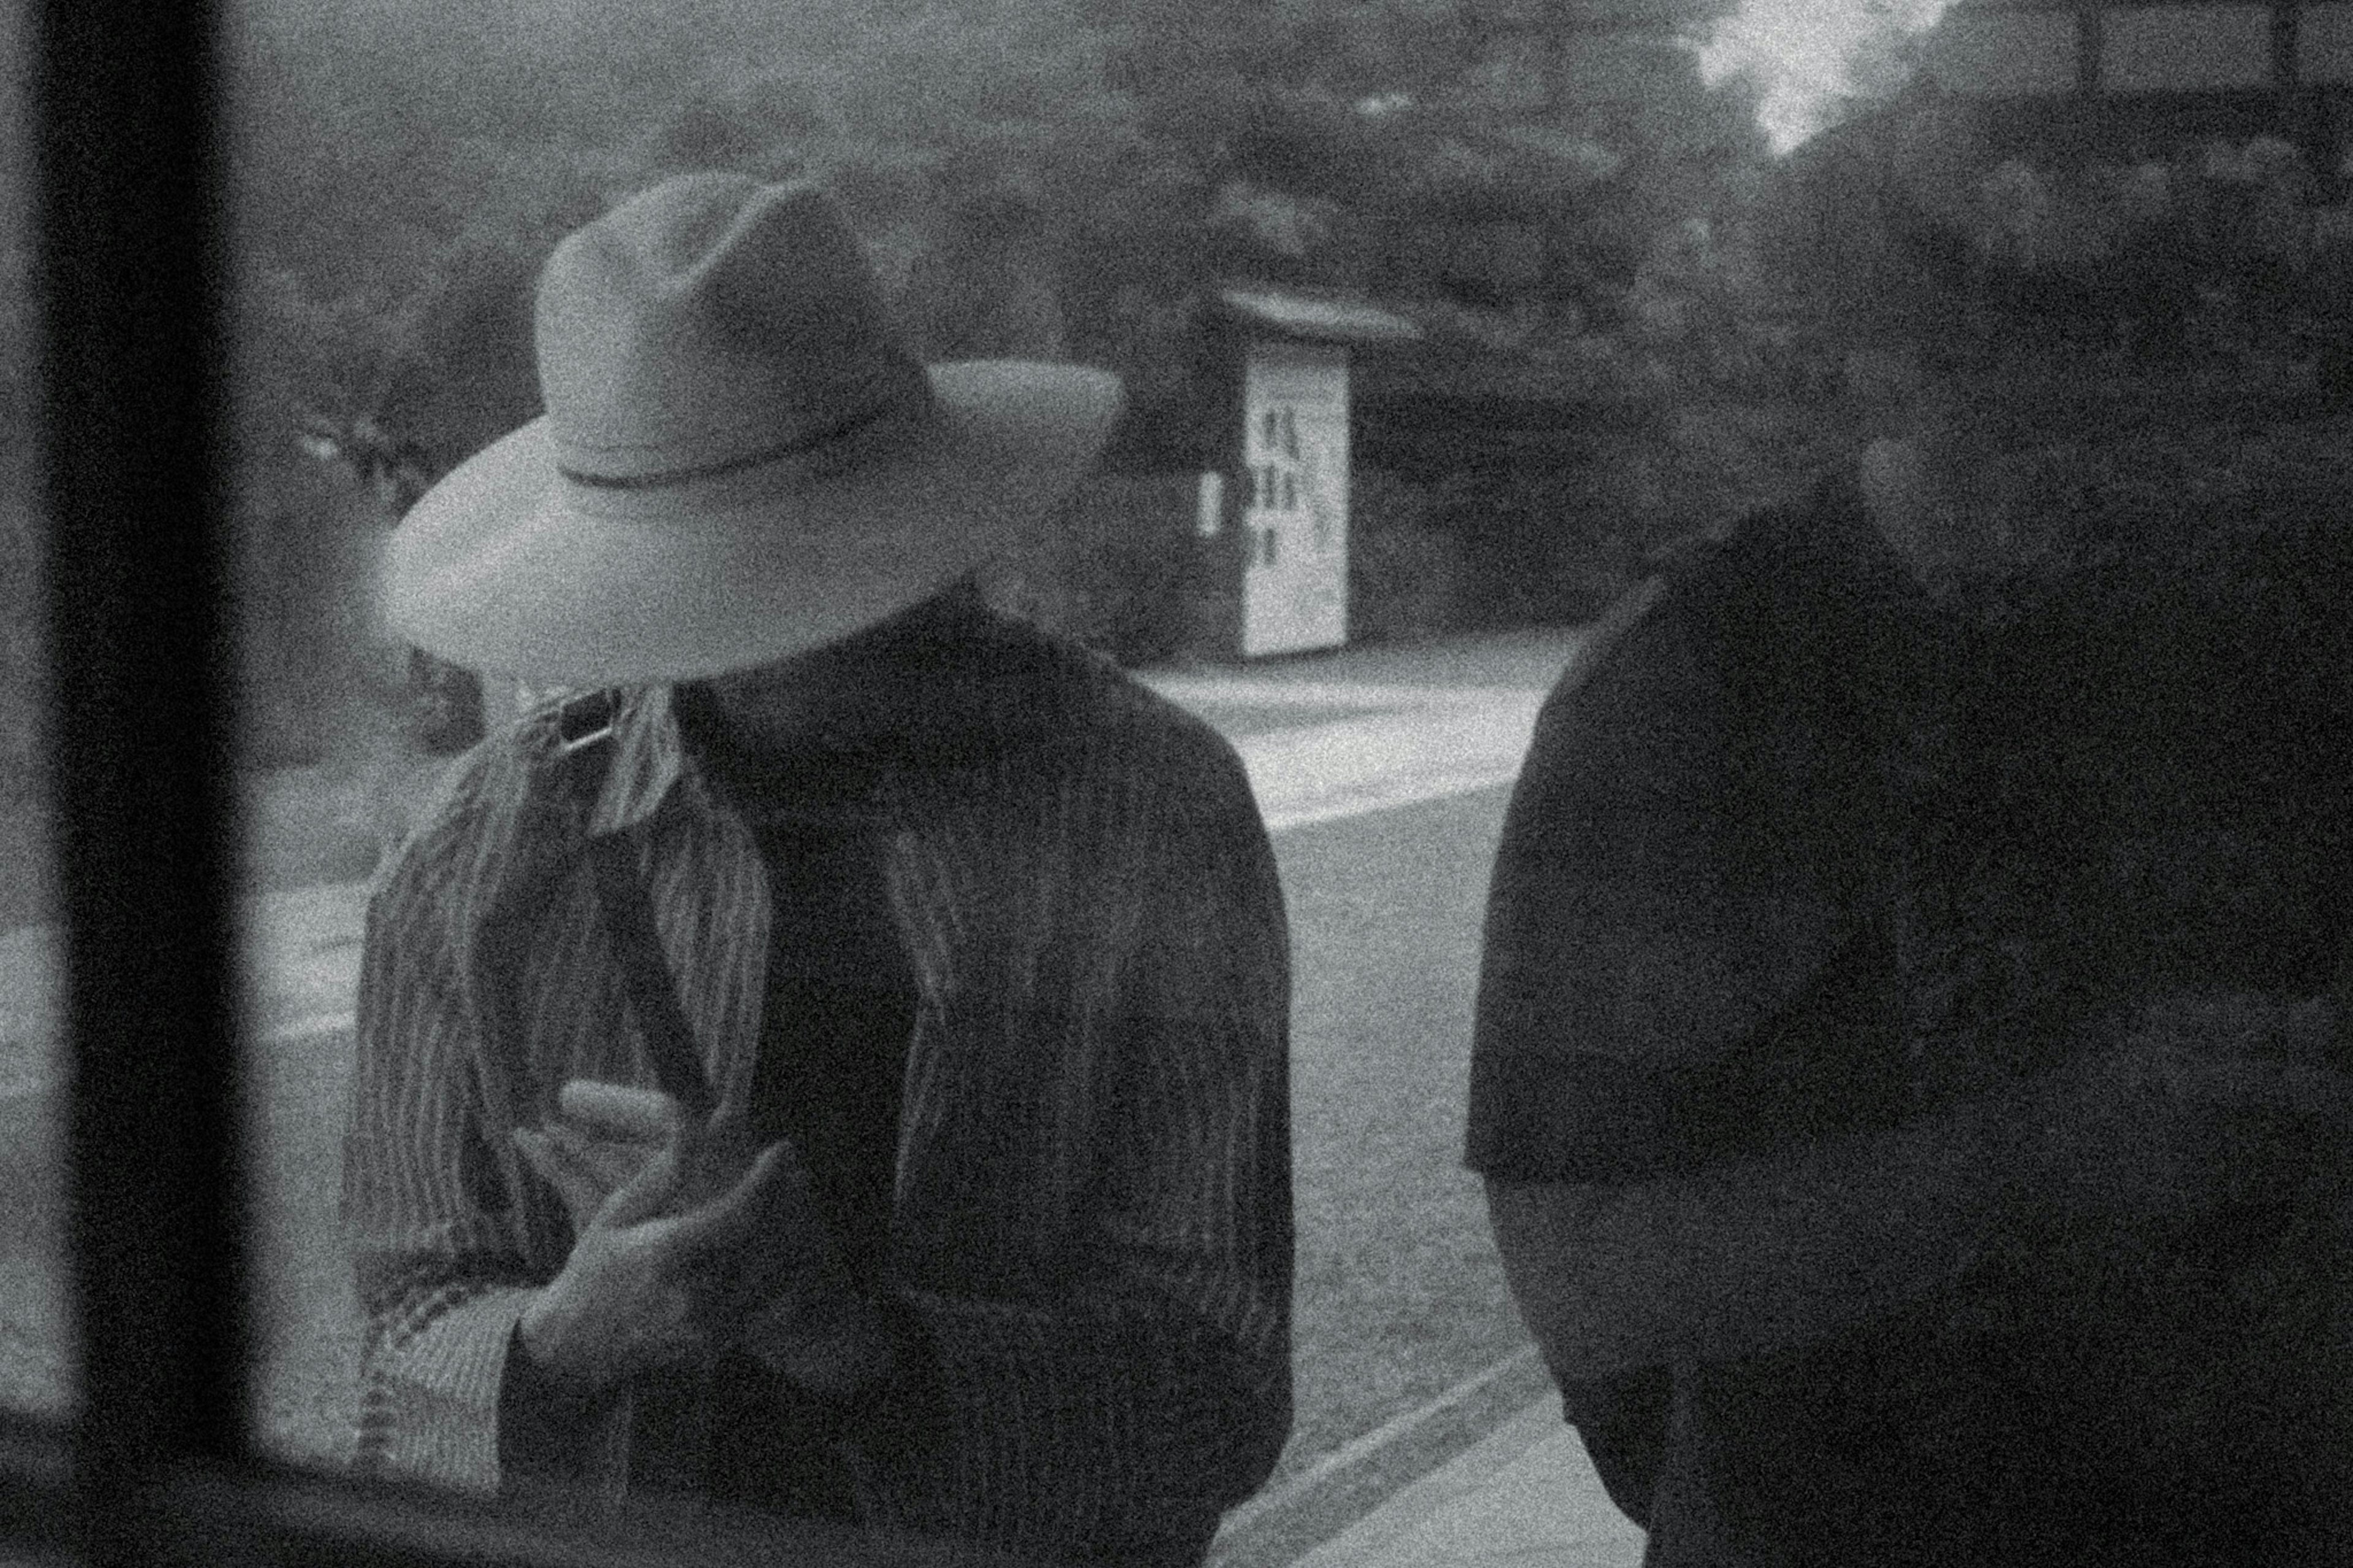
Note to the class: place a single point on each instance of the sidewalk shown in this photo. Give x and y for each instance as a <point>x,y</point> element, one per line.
<point>1524,1494</point>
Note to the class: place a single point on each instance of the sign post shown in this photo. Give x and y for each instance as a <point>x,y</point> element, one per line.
<point>1290,466</point>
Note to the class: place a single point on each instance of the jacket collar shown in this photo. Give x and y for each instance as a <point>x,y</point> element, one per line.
<point>647,759</point>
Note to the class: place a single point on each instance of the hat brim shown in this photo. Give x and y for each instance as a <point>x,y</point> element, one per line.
<point>500,568</point>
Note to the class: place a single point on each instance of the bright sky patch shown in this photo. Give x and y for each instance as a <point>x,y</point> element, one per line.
<point>1809,56</point>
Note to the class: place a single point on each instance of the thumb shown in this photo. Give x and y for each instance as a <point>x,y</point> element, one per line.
<point>561,1170</point>
<point>648,1193</point>
<point>726,1217</point>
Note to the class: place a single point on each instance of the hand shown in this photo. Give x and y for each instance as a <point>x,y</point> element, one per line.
<point>610,1130</point>
<point>785,1299</point>
<point>609,1133</point>
<point>633,1297</point>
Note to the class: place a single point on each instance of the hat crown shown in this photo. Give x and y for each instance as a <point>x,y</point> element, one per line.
<point>712,320</point>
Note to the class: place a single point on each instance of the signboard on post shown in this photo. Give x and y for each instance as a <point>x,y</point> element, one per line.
<point>1294,510</point>
<point>1290,466</point>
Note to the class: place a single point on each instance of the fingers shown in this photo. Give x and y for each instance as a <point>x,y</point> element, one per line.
<point>581,1192</point>
<point>645,1195</point>
<point>612,1162</point>
<point>622,1111</point>
<point>728,1218</point>
<point>541,1155</point>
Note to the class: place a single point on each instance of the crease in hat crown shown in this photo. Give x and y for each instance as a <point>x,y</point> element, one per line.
<point>714,322</point>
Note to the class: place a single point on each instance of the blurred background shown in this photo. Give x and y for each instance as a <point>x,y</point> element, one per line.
<point>1537,185</point>
<point>1557,198</point>
<point>1554,194</point>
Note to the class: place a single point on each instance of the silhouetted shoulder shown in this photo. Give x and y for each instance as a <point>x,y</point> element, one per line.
<point>1107,708</point>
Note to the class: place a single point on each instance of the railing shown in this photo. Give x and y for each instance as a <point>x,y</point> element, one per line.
<point>2039,48</point>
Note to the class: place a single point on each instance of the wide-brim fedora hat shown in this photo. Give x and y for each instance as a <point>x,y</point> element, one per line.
<point>738,459</point>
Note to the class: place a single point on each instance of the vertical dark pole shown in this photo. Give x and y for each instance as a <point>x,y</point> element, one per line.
<point>133,368</point>
<point>2090,43</point>
<point>2287,19</point>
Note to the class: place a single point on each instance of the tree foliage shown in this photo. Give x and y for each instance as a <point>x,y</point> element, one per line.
<point>403,170</point>
<point>1056,176</point>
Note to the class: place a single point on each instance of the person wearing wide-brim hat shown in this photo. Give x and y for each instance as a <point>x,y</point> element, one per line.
<point>834,1061</point>
<point>1908,1076</point>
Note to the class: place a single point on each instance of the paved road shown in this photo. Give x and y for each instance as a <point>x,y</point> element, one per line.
<point>1382,773</point>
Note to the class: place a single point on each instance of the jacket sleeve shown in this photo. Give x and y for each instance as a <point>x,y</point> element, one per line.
<point>1642,940</point>
<point>1117,1416</point>
<point>1687,1091</point>
<point>431,1206</point>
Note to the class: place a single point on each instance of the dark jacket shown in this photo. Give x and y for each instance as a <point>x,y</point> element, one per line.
<point>1797,857</point>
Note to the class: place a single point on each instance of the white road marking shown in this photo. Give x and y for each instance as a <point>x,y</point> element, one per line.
<point>1240,692</point>
<point>1397,1429</point>
<point>1349,767</point>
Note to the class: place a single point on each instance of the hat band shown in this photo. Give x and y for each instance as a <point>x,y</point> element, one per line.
<point>800,447</point>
